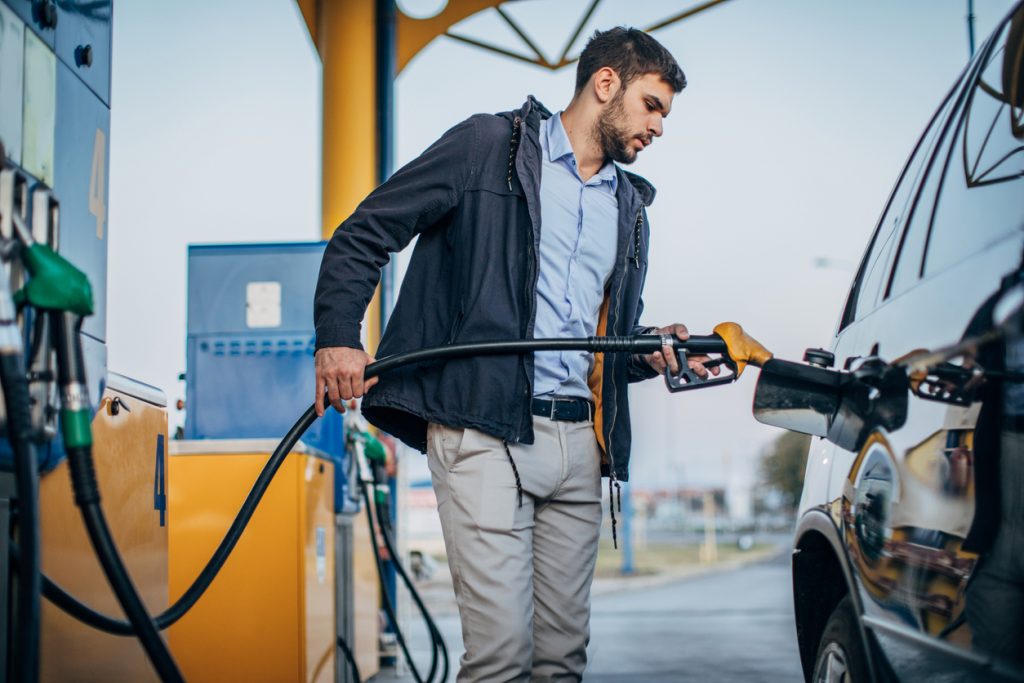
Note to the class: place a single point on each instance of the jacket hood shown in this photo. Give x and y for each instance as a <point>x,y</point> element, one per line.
<point>533,112</point>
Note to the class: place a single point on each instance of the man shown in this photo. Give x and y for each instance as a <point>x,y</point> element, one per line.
<point>527,229</point>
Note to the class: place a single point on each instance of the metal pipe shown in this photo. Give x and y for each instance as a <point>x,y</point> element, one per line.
<point>386,48</point>
<point>970,29</point>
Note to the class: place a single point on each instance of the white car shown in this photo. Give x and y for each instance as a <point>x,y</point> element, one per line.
<point>909,549</point>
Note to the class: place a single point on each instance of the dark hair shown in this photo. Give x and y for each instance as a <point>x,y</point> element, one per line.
<point>631,53</point>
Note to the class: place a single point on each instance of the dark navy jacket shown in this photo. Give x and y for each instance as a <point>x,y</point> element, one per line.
<point>473,199</point>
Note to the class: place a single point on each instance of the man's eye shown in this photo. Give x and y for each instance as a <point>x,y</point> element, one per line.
<point>650,106</point>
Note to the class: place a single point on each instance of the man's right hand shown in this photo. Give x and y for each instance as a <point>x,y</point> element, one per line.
<point>339,370</point>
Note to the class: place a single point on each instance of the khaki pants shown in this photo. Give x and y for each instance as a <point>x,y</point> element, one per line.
<point>522,575</point>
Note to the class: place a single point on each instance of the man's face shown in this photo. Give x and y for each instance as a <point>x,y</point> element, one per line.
<point>633,117</point>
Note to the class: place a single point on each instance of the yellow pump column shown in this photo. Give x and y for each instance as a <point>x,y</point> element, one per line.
<point>344,33</point>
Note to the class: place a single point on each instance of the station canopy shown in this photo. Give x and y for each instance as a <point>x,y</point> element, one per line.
<point>523,30</point>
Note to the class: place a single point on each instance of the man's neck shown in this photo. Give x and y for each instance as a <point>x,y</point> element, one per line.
<point>579,129</point>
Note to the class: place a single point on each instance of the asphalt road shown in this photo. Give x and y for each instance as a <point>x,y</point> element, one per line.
<point>728,626</point>
<point>733,625</point>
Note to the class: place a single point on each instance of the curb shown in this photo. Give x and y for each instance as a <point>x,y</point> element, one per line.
<point>604,586</point>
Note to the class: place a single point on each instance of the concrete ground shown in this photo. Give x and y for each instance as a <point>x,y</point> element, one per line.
<point>732,624</point>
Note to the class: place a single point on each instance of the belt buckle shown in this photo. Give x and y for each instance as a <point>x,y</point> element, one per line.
<point>555,414</point>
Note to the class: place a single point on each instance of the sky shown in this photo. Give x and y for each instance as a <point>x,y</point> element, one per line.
<point>774,165</point>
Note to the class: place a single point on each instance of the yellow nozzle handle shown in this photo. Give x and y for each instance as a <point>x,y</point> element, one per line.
<point>743,348</point>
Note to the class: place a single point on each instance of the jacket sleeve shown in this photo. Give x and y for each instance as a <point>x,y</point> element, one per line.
<point>410,201</point>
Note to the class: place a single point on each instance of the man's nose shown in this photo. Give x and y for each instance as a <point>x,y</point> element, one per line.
<point>655,126</point>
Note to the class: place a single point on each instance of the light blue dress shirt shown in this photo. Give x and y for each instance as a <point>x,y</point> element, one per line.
<point>578,236</point>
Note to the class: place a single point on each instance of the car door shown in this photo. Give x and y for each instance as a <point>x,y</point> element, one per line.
<point>909,495</point>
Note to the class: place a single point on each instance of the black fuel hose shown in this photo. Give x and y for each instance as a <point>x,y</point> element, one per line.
<point>351,659</point>
<point>19,432</point>
<point>81,468</point>
<point>439,645</point>
<point>127,595</point>
<point>637,344</point>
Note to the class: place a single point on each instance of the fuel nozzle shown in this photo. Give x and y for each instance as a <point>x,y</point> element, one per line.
<point>372,457</point>
<point>377,456</point>
<point>64,293</point>
<point>735,350</point>
<point>55,284</point>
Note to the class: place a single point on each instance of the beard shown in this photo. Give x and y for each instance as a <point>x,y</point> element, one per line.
<point>613,137</point>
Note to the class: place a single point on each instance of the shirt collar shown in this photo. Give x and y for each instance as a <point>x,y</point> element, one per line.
<point>557,145</point>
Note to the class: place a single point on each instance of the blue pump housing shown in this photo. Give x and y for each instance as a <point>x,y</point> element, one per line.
<point>66,103</point>
<point>250,344</point>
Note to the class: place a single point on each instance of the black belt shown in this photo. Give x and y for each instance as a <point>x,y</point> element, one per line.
<point>566,409</point>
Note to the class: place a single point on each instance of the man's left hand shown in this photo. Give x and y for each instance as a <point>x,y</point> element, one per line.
<point>657,360</point>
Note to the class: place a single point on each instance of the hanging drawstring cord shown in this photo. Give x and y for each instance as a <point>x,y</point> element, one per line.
<point>614,500</point>
<point>515,471</point>
<point>611,507</point>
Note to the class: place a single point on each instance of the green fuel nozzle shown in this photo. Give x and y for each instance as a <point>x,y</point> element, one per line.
<point>374,449</point>
<point>63,292</point>
<point>55,284</point>
<point>377,456</point>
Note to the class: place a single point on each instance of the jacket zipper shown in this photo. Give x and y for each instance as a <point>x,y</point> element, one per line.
<point>531,293</point>
<point>637,227</point>
<point>531,297</point>
<point>618,295</point>
<point>517,124</point>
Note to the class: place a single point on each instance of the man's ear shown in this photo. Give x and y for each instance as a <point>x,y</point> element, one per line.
<point>605,83</point>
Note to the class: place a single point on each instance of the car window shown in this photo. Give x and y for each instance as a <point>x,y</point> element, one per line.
<point>864,293</point>
<point>872,276</point>
<point>910,252</point>
<point>982,195</point>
